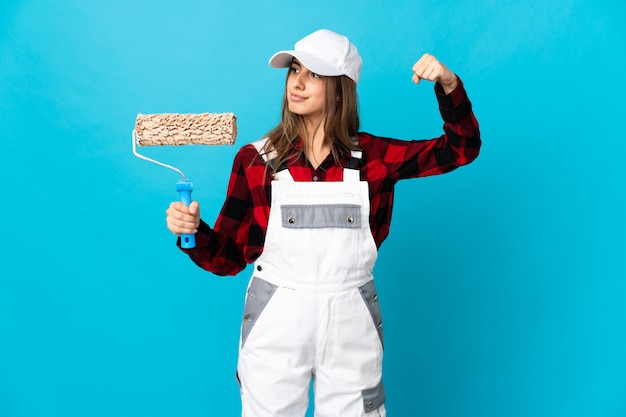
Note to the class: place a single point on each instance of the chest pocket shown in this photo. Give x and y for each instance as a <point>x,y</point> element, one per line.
<point>304,216</point>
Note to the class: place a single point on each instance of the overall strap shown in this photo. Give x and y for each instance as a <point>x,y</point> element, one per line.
<point>269,157</point>
<point>259,145</point>
<point>352,170</point>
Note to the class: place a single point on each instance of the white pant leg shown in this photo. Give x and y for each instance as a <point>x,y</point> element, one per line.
<point>348,370</point>
<point>276,360</point>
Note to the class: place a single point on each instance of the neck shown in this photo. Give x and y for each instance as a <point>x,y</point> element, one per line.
<point>316,147</point>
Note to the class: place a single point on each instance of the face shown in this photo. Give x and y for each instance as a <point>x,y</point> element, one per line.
<point>305,91</point>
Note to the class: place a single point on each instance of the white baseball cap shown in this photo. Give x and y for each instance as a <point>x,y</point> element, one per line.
<point>325,53</point>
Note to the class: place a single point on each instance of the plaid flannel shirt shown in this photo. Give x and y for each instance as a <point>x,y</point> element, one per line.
<point>239,232</point>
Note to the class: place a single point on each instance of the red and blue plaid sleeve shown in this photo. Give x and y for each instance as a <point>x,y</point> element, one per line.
<point>389,160</point>
<point>239,232</point>
<point>459,145</point>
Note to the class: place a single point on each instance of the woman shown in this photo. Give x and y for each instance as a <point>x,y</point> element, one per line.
<point>310,205</point>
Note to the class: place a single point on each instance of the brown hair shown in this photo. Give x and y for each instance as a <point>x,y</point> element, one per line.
<point>340,115</point>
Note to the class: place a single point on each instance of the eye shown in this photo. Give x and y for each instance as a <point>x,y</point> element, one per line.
<point>294,69</point>
<point>315,75</point>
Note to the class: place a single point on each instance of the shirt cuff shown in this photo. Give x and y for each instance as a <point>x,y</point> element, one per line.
<point>203,238</point>
<point>454,98</point>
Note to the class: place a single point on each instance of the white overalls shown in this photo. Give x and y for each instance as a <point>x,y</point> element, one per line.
<point>311,308</point>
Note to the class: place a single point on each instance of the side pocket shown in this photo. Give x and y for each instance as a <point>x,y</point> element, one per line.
<point>259,294</point>
<point>373,398</point>
<point>368,292</point>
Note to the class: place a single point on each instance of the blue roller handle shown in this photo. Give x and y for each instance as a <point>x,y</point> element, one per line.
<point>184,188</point>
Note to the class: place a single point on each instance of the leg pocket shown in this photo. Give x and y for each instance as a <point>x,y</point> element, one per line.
<point>370,297</point>
<point>373,398</point>
<point>259,294</point>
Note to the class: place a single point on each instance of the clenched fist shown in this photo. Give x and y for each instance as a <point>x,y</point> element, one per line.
<point>429,68</point>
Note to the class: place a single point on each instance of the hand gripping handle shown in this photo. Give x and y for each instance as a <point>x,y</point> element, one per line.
<point>184,188</point>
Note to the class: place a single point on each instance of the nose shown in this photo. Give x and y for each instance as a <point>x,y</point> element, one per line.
<point>296,80</point>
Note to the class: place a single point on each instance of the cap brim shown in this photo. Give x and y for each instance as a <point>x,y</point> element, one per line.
<point>283,59</point>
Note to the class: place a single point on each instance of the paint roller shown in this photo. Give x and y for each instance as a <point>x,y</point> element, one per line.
<point>173,129</point>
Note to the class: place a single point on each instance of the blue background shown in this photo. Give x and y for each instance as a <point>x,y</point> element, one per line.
<point>502,284</point>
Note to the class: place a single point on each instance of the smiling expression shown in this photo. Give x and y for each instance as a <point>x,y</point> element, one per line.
<point>305,91</point>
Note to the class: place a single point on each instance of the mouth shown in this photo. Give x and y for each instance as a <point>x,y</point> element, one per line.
<point>296,97</point>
